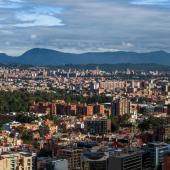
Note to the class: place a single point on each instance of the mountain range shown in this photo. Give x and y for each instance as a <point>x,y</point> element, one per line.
<point>42,57</point>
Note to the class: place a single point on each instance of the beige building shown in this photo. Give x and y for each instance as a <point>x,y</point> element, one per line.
<point>16,161</point>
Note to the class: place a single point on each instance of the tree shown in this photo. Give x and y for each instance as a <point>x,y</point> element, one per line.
<point>23,118</point>
<point>124,119</point>
<point>27,136</point>
<point>44,130</point>
<point>115,124</point>
<point>144,125</point>
<point>54,118</point>
<point>151,123</point>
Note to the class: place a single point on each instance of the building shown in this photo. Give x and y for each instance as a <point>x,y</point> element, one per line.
<point>94,161</point>
<point>61,164</point>
<point>146,161</point>
<point>161,134</point>
<point>72,155</point>
<point>157,151</point>
<point>89,110</point>
<point>129,160</point>
<point>168,109</point>
<point>98,108</point>
<point>120,107</point>
<point>97,126</point>
<point>18,161</point>
<point>166,165</point>
<point>126,159</point>
<point>11,125</point>
<point>167,132</point>
<point>42,162</point>
<point>59,107</point>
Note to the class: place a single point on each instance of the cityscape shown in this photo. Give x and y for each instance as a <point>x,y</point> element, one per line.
<point>84,85</point>
<point>71,118</point>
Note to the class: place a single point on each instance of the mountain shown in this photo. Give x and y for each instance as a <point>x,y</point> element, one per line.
<point>40,56</point>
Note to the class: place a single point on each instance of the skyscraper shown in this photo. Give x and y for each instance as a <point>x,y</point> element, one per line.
<point>157,151</point>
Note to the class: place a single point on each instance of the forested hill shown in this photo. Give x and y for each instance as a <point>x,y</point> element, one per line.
<point>39,56</point>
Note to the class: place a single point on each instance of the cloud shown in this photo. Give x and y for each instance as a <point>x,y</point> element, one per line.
<point>127,44</point>
<point>33,36</point>
<point>49,10</point>
<point>107,49</point>
<point>11,4</point>
<point>18,1</point>
<point>28,14</point>
<point>85,25</point>
<point>161,3</point>
<point>32,20</point>
<point>40,16</point>
<point>7,43</point>
<point>6,32</point>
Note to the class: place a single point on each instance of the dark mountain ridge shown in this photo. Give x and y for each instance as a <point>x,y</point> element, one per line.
<point>40,56</point>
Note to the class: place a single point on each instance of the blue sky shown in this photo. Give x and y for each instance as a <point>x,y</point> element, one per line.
<point>84,25</point>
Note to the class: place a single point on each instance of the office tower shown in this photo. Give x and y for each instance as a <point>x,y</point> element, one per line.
<point>157,151</point>
<point>146,161</point>
<point>130,160</point>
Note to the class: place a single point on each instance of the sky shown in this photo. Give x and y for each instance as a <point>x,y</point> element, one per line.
<point>79,26</point>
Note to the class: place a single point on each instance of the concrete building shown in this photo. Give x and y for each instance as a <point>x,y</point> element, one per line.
<point>98,108</point>
<point>166,165</point>
<point>130,160</point>
<point>157,151</point>
<point>120,107</point>
<point>117,159</point>
<point>9,126</point>
<point>146,161</point>
<point>17,161</point>
<point>61,164</point>
<point>73,157</point>
<point>94,161</point>
<point>98,126</point>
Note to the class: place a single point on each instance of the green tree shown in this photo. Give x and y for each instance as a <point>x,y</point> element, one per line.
<point>115,124</point>
<point>27,136</point>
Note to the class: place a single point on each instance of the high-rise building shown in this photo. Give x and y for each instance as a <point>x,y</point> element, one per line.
<point>126,160</point>
<point>146,161</point>
<point>166,165</point>
<point>157,151</point>
<point>120,107</point>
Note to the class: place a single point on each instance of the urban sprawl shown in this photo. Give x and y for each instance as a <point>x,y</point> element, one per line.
<point>84,119</point>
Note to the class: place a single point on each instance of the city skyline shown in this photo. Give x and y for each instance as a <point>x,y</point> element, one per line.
<point>81,26</point>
